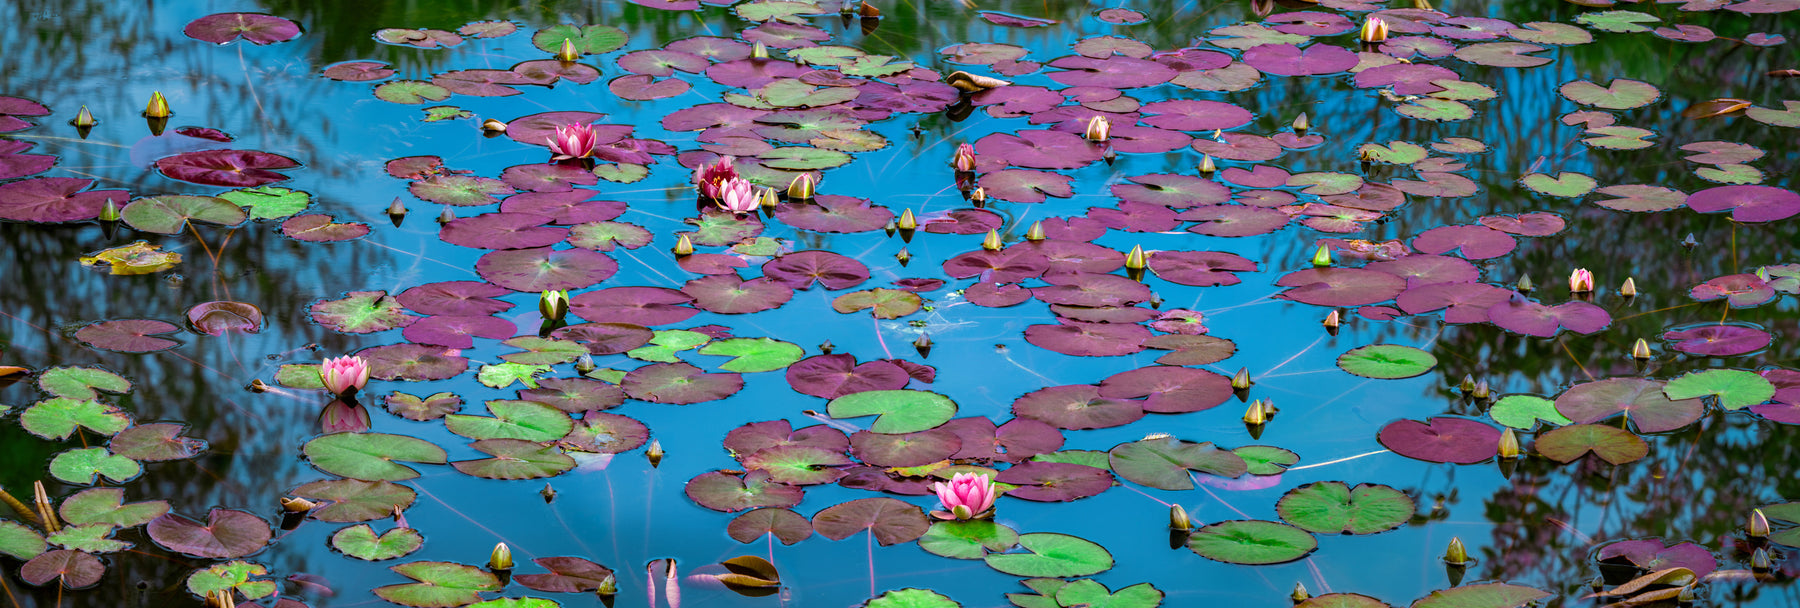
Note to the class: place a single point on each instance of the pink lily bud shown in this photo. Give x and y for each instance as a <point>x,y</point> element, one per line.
<point>964,160</point>
<point>1098,129</point>
<point>344,375</point>
<point>1581,281</point>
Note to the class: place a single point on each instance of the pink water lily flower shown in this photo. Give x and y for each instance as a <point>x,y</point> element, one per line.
<point>738,195</point>
<point>967,496</point>
<point>573,141</point>
<point>712,178</point>
<point>1581,281</point>
<point>344,375</point>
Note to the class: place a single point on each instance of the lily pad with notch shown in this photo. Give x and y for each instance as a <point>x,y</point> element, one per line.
<point>1252,542</point>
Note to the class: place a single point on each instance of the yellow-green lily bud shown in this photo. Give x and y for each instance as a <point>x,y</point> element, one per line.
<point>158,106</point>
<point>568,53</point>
<point>553,305</point>
<point>1456,554</point>
<point>1322,257</point>
<point>801,188</point>
<point>684,247</point>
<point>1036,232</point>
<point>501,558</point>
<point>1178,518</point>
<point>991,242</point>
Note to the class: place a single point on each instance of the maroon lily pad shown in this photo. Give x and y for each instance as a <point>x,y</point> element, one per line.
<point>1199,268</point>
<point>1714,340</point>
<point>257,28</point>
<point>606,338</point>
<point>1442,439</point>
<point>1642,402</point>
<point>1026,185</point>
<point>1233,220</point>
<point>1172,190</point>
<point>413,362</point>
<point>1075,256</point>
<point>728,294</point>
<point>999,18</point>
<point>1526,224</point>
<point>1116,72</point>
<point>538,129</point>
<point>1340,286</point>
<point>319,228</point>
<point>719,491</point>
<point>575,395</point>
<point>1088,339</point>
<point>76,569</point>
<point>217,318</point>
<point>567,575</point>
<point>358,71</point>
<point>228,168</point>
<point>834,213</point>
<point>548,177</point>
<point>568,208</point>
<point>1077,406</point>
<point>1405,78</point>
<point>1651,555</point>
<point>758,436</point>
<point>1170,389</point>
<point>1741,290</point>
<point>1535,319</point>
<point>1475,242</point>
<point>1055,481</point>
<point>787,526</point>
<point>833,376</point>
<point>889,520</point>
<point>1428,269</point>
<point>1195,115</point>
<point>1239,146</point>
<point>458,331</point>
<point>1290,60</point>
<point>128,335</point>
<point>996,295</point>
<point>679,384</point>
<point>1010,265</point>
<point>545,269</point>
<point>226,534</point>
<point>1091,289</point>
<point>1040,149</point>
<point>904,449</point>
<point>1461,302</point>
<point>456,298</point>
<point>502,231</point>
<point>636,305</point>
<point>1016,441</point>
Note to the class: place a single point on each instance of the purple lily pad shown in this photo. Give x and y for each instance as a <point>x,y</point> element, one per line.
<point>1340,286</point>
<point>1169,389</point>
<point>635,305</point>
<point>758,436</point>
<point>904,449</point>
<point>1651,555</point>
<point>1475,242</point>
<point>1199,268</point>
<point>545,269</point>
<point>1442,439</point>
<point>1172,190</point>
<point>1290,60</point>
<point>606,338</point>
<point>786,525</point>
<point>456,298</point>
<point>1233,220</point>
<point>890,521</point>
<point>76,569</point>
<point>1088,339</point>
<point>1461,302</point>
<point>912,97</point>
<point>1749,204</point>
<point>834,213</point>
<point>319,228</point>
<point>1740,290</point>
<point>1195,115</point>
<point>257,28</point>
<point>548,177</point>
<point>128,335</point>
<point>712,263</point>
<point>458,331</point>
<point>567,208</point>
<point>999,18</point>
<point>679,384</point>
<point>1075,256</point>
<point>1405,78</point>
<point>1526,224</point>
<point>228,168</point>
<point>719,491</point>
<point>1714,340</point>
<point>1015,441</point>
<point>226,534</point>
<point>1428,269</point>
<point>1091,289</point>
<point>1116,72</point>
<point>358,71</point>
<point>55,199</point>
<point>502,231</point>
<point>575,395</point>
<point>1010,265</point>
<point>1135,217</point>
<point>728,294</point>
<point>1055,481</point>
<point>1016,100</point>
<point>538,129</point>
<point>996,295</point>
<point>1040,149</point>
<point>1026,185</point>
<point>833,376</point>
<point>1531,318</point>
<point>798,270</point>
<point>1641,401</point>
<point>413,362</point>
<point>1239,146</point>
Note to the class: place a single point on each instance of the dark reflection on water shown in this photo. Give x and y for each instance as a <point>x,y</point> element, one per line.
<point>1538,527</point>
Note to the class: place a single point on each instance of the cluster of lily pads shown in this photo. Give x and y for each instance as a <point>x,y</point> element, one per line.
<point>793,108</point>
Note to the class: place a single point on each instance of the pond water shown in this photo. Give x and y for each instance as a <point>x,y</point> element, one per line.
<point>1480,146</point>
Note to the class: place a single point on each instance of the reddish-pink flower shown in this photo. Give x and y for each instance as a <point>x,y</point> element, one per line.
<point>711,178</point>
<point>344,375</point>
<point>964,160</point>
<point>738,195</point>
<point>573,141</point>
<point>967,496</point>
<point>1581,281</point>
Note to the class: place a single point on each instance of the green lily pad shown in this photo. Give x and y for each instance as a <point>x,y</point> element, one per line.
<point>968,539</point>
<point>107,506</point>
<point>1387,361</point>
<point>1091,458</point>
<point>439,585</point>
<point>91,538</point>
<point>912,598</point>
<point>1788,117</point>
<point>58,417</point>
<point>1163,463</point>
<point>1609,443</point>
<point>362,312</point>
<point>516,602</point>
<point>359,541</point>
<point>410,92</point>
<point>1435,109</point>
<point>1619,138</point>
<point>1053,555</point>
<point>232,576</point>
<point>1266,459</point>
<point>19,541</point>
<point>1524,411</point>
<point>269,202</point>
<point>1332,507</point>
<point>753,355</point>
<point>170,214</point>
<point>588,39</point>
<point>441,113</point>
<point>1490,595</point>
<point>353,500</point>
<point>371,456</point>
<point>1394,153</point>
<point>1252,542</point>
<point>80,466</point>
<point>542,351</point>
<point>666,342</point>
<point>803,158</point>
<point>513,419</point>
<point>1092,594</point>
<point>502,375</point>
<point>1565,184</point>
<point>899,411</point>
<point>303,376</point>
<point>81,382</point>
<point>1619,22</point>
<point>515,459</point>
<point>1734,388</point>
<point>886,303</point>
<point>1343,600</point>
<point>1620,94</point>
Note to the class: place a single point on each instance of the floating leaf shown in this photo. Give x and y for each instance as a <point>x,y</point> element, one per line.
<point>440,585</point>
<point>719,491</point>
<point>1331,507</point>
<point>516,459</point>
<point>231,577</point>
<point>1524,411</point>
<point>528,420</point>
<point>898,411</point>
<point>352,500</point>
<point>920,598</point>
<point>136,258</point>
<point>1641,401</point>
<point>82,383</point>
<point>228,168</point>
<point>58,418</point>
<point>890,521</point>
<point>156,443</point>
<point>1489,595</point>
<point>361,312</point>
<point>107,506</point>
<point>371,456</point>
<point>226,534</point>
<point>786,525</point>
<point>968,539</point>
<point>76,569</point>
<point>171,214</point>
<point>19,541</point>
<point>567,575</point>
<point>1442,439</point>
<point>1612,444</point>
<point>257,28</point>
<point>80,466</point>
<point>1387,361</point>
<point>1053,555</point>
<point>128,335</point>
<point>1252,542</point>
<point>751,355</point>
<point>1733,388</point>
<point>1164,463</point>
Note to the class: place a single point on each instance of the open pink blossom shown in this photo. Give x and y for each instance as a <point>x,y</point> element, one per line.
<point>343,376</point>
<point>573,141</point>
<point>711,178</point>
<point>967,496</point>
<point>738,195</point>
<point>964,160</point>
